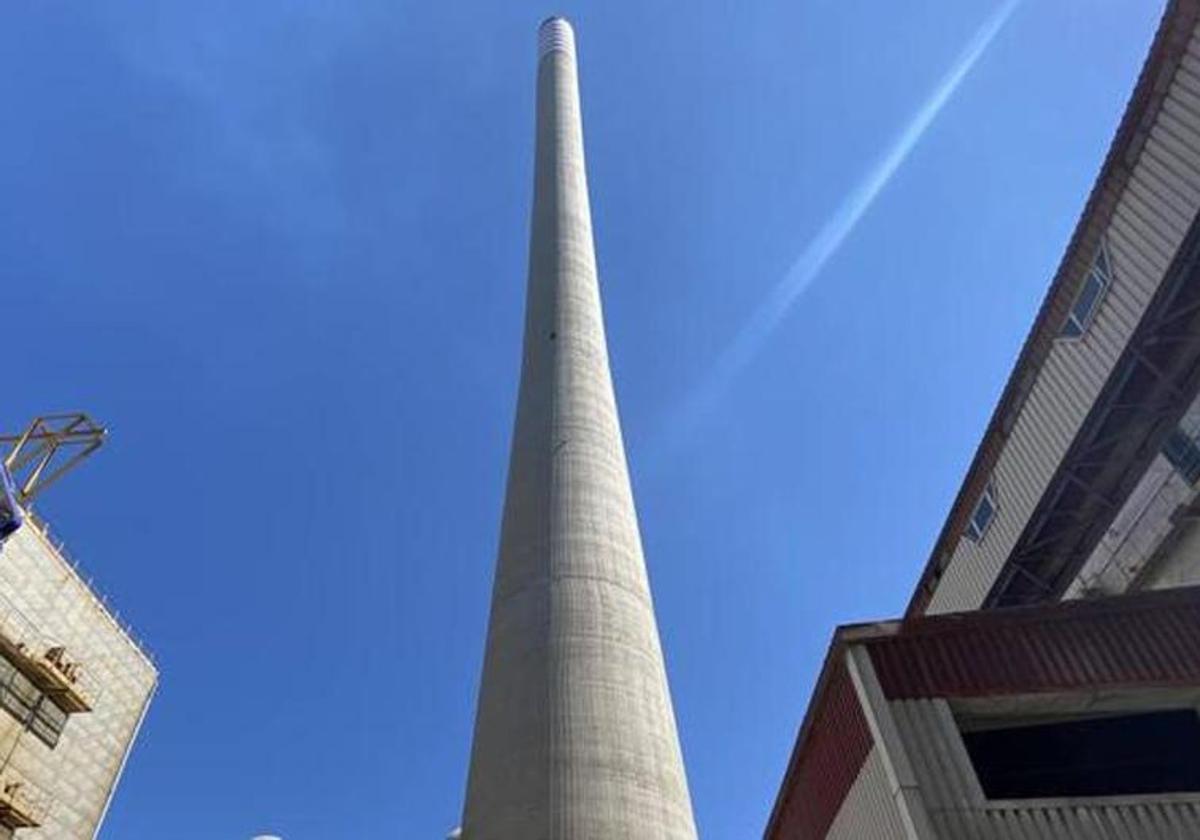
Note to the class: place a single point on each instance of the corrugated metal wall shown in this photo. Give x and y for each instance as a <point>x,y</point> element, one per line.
<point>831,752</point>
<point>1178,821</point>
<point>1151,639</point>
<point>1152,214</point>
<point>869,811</point>
<point>938,757</point>
<point>958,809</point>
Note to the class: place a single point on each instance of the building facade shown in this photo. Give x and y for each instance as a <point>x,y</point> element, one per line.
<point>74,688</point>
<point>575,734</point>
<point>74,684</point>
<point>1045,677</point>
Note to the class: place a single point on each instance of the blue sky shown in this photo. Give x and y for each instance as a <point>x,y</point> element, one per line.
<point>279,249</point>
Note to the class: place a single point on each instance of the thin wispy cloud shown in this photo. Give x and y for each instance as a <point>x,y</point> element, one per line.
<point>766,319</point>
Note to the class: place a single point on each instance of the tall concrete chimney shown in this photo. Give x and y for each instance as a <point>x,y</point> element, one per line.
<point>575,735</point>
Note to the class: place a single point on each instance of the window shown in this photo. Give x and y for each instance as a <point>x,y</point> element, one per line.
<point>25,702</point>
<point>1181,450</point>
<point>1088,300</point>
<point>1121,755</point>
<point>17,693</point>
<point>984,513</point>
<point>48,721</point>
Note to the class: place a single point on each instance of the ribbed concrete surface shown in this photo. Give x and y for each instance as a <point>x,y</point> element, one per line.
<point>575,735</point>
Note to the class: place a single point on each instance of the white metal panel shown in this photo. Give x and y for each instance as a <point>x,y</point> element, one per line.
<point>935,749</point>
<point>1152,214</point>
<point>1133,820</point>
<point>868,812</point>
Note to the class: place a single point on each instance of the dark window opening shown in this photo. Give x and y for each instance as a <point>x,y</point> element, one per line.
<point>25,702</point>
<point>1125,755</point>
<point>981,517</point>
<point>1181,450</point>
<point>1087,301</point>
<point>48,721</point>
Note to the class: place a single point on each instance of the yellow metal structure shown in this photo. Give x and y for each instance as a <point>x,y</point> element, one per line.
<point>22,804</point>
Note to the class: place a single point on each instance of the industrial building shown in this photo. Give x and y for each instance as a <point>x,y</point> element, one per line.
<point>74,684</point>
<point>575,734</point>
<point>1045,678</point>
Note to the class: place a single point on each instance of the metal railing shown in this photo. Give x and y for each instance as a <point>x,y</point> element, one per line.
<point>22,803</point>
<point>89,583</point>
<point>46,656</point>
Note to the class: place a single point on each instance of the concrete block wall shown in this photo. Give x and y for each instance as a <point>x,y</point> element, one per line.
<point>82,770</point>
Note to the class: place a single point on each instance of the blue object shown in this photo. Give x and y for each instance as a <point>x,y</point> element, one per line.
<point>11,515</point>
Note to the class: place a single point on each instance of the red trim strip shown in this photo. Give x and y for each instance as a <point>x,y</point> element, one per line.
<point>1143,640</point>
<point>828,763</point>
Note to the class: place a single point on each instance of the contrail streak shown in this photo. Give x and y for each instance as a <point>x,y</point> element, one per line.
<point>830,238</point>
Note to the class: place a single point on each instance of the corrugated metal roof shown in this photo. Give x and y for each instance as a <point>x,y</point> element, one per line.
<point>1147,639</point>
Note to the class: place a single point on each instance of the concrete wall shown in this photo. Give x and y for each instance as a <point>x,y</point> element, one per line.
<point>1180,565</point>
<point>575,734</point>
<point>1151,216</point>
<point>82,770</point>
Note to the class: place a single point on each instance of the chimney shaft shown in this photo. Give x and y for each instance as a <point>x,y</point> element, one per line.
<point>575,734</point>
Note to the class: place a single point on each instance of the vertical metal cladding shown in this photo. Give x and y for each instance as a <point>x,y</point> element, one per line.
<point>958,807</point>
<point>1135,820</point>
<point>1151,199</point>
<point>938,757</point>
<point>575,734</point>
<point>831,752</point>
<point>869,811</point>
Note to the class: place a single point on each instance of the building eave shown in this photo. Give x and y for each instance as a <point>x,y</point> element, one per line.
<point>1130,642</point>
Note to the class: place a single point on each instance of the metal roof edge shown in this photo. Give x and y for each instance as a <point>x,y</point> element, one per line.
<point>843,635</point>
<point>832,655</point>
